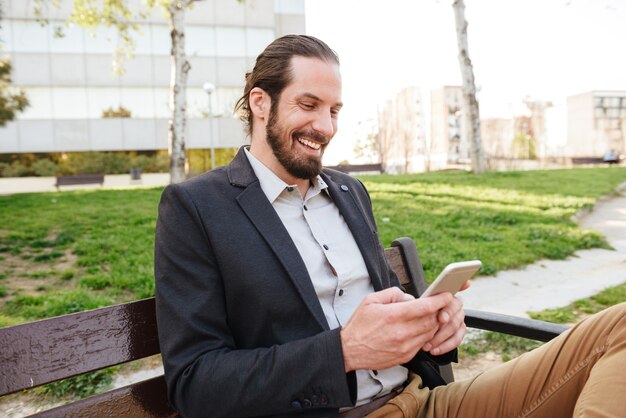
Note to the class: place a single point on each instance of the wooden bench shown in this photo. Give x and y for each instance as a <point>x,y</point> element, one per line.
<point>49,350</point>
<point>79,179</point>
<point>358,168</point>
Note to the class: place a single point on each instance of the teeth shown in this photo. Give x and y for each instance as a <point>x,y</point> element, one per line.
<point>308,143</point>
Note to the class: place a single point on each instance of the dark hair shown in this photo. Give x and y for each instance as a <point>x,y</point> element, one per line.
<point>272,71</point>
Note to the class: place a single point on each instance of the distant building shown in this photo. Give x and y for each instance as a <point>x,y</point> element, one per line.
<point>69,80</point>
<point>402,136</point>
<point>448,135</point>
<point>596,123</point>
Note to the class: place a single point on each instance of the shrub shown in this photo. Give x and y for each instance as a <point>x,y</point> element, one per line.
<point>16,169</point>
<point>44,167</point>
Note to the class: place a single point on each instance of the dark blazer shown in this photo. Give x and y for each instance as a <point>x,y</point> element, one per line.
<point>241,329</point>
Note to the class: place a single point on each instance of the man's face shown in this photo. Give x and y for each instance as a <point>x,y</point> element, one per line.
<point>304,120</point>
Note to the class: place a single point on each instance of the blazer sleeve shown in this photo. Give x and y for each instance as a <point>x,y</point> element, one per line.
<point>206,374</point>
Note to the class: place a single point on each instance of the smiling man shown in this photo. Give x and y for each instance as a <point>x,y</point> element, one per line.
<point>274,297</point>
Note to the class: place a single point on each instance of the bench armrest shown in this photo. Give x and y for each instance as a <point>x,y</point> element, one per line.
<point>513,325</point>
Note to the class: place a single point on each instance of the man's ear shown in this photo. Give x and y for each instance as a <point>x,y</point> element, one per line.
<point>260,103</point>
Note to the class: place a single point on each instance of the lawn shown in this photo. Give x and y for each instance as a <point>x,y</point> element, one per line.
<point>71,251</point>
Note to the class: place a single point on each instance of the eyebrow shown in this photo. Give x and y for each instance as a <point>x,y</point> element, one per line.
<point>314,97</point>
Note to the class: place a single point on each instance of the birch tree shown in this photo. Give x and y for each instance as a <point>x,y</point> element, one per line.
<point>470,110</point>
<point>123,15</point>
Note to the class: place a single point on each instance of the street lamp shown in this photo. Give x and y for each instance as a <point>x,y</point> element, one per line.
<point>209,88</point>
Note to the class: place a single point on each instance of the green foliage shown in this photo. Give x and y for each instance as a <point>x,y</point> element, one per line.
<point>158,163</point>
<point>20,165</point>
<point>60,303</point>
<point>3,291</point>
<point>507,346</point>
<point>81,386</point>
<point>200,159</point>
<point>44,167</point>
<point>96,162</point>
<point>12,101</point>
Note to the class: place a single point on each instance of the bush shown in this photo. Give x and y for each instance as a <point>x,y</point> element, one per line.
<point>15,169</point>
<point>96,162</point>
<point>158,163</point>
<point>81,386</point>
<point>45,167</point>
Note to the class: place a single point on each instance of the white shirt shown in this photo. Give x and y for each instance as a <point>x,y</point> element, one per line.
<point>332,258</point>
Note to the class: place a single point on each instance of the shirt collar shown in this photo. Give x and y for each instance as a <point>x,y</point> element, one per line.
<point>273,186</point>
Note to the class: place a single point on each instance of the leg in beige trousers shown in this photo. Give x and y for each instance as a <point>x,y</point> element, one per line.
<point>581,373</point>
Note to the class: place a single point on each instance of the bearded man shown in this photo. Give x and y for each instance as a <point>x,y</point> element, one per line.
<point>273,294</point>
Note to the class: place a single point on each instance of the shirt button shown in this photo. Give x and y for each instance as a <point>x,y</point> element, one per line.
<point>289,189</point>
<point>344,187</point>
<point>305,208</point>
<point>325,246</point>
<point>341,292</point>
<point>375,372</point>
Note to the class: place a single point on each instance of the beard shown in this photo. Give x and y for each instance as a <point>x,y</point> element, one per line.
<point>297,164</point>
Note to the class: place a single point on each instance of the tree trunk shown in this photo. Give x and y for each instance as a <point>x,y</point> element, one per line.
<point>178,85</point>
<point>470,110</point>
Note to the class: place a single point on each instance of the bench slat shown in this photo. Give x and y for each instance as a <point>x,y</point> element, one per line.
<point>144,399</point>
<point>41,352</point>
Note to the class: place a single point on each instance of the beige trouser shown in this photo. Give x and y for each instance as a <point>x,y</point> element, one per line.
<point>581,373</point>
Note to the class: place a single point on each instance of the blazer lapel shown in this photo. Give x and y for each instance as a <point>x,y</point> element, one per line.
<point>254,203</point>
<point>363,229</point>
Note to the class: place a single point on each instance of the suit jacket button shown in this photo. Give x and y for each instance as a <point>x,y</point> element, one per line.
<point>296,404</point>
<point>323,400</point>
<point>315,400</point>
<point>344,187</point>
<point>306,403</point>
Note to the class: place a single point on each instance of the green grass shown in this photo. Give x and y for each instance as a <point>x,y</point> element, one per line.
<point>505,219</point>
<point>103,240</point>
<point>583,307</point>
<point>92,248</point>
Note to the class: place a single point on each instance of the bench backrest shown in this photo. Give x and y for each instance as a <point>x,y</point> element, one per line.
<point>45,351</point>
<point>80,179</point>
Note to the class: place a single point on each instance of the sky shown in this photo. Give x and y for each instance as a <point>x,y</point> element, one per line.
<point>544,49</point>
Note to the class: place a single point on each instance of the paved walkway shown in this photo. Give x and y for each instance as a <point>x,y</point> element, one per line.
<point>556,283</point>
<point>111,181</point>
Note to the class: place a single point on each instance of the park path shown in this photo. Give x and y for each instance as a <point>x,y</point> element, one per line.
<point>556,283</point>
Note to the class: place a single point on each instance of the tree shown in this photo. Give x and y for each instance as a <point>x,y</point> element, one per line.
<point>470,109</point>
<point>89,14</point>
<point>12,101</point>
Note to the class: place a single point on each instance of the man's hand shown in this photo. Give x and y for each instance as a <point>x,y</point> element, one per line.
<point>389,327</point>
<point>451,328</point>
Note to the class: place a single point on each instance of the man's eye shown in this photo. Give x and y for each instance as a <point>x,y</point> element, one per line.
<point>307,106</point>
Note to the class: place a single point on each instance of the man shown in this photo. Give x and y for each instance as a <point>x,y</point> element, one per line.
<point>274,297</point>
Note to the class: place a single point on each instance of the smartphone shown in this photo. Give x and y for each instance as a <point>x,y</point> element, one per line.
<point>452,277</point>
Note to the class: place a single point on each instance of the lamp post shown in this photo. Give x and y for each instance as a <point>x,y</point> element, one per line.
<point>209,88</point>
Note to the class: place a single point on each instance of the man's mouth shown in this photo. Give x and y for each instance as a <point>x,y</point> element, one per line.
<point>309,143</point>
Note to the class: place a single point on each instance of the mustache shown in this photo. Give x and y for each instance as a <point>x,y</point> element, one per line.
<point>314,135</point>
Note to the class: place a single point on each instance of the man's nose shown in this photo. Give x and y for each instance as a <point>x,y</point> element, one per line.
<point>324,124</point>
